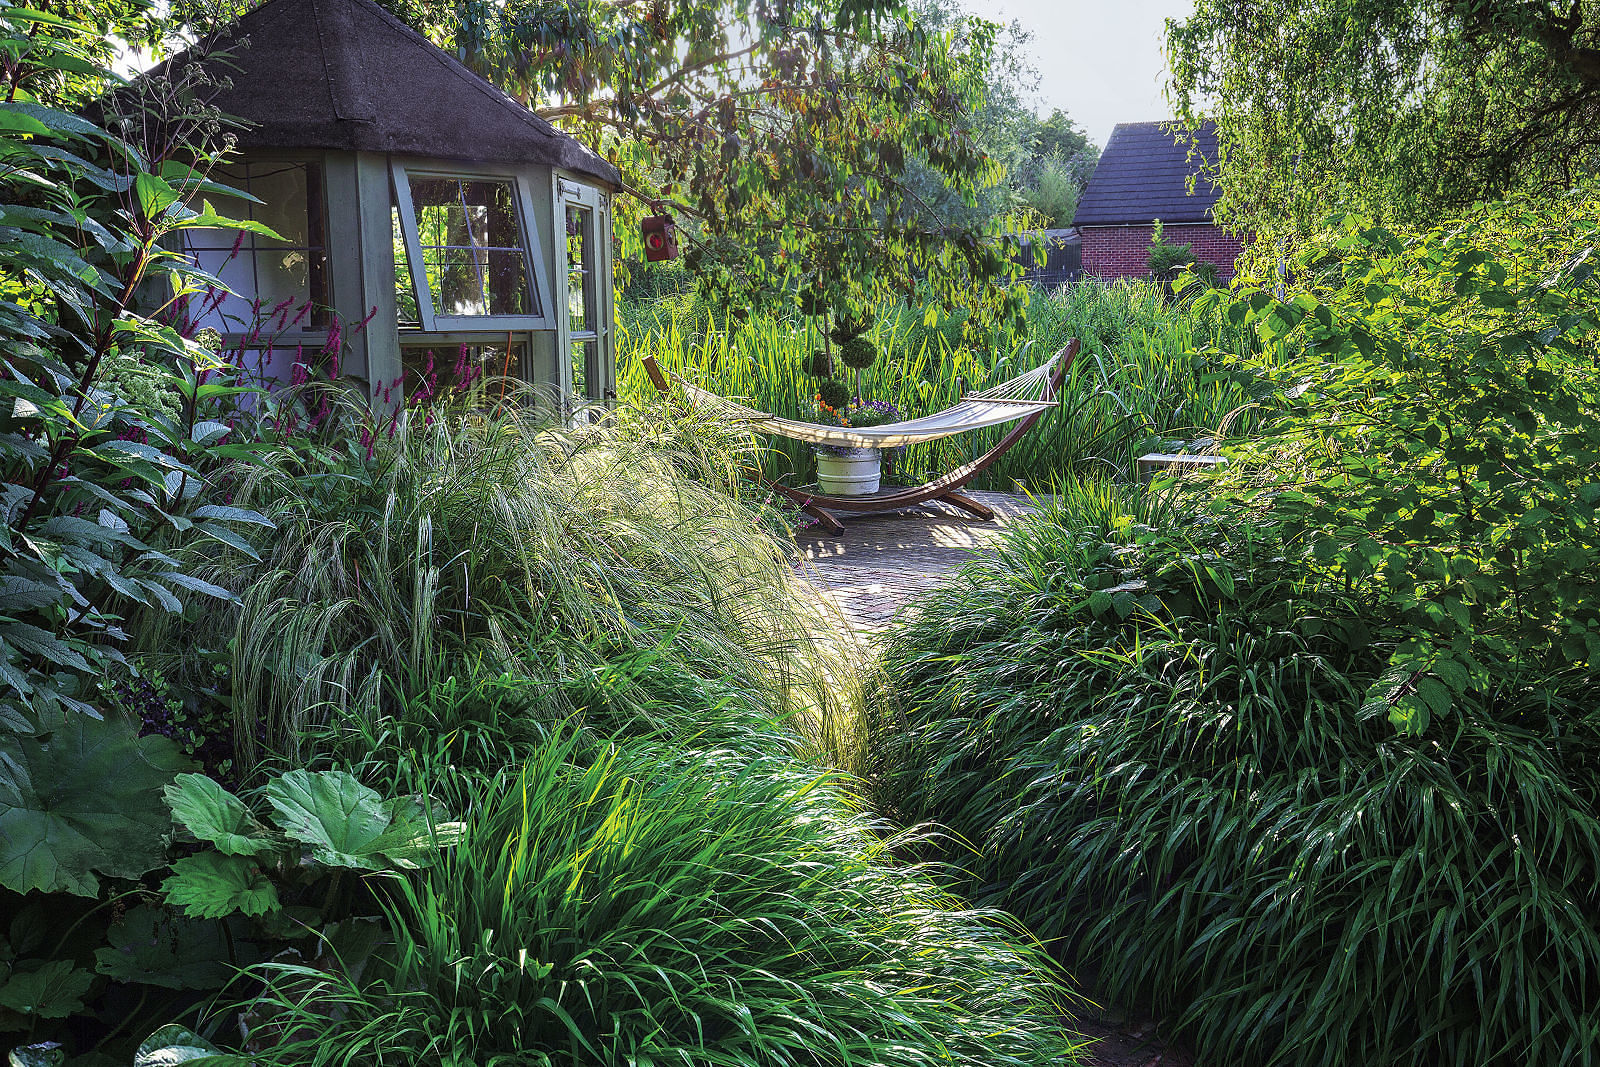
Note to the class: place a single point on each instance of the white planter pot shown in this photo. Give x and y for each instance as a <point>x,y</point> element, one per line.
<point>848,472</point>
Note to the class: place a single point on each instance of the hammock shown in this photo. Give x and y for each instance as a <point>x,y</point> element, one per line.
<point>1014,399</point>
<point>1024,397</point>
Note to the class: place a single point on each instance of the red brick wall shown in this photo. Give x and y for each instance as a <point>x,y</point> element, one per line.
<point>1124,251</point>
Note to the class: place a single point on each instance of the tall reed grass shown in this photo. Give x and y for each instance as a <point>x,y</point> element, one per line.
<point>1137,380</point>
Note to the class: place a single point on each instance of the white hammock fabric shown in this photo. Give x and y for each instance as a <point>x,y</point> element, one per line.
<point>1014,399</point>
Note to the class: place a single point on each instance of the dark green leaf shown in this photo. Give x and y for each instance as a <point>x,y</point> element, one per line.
<point>83,799</point>
<point>53,991</point>
<point>154,946</point>
<point>211,886</point>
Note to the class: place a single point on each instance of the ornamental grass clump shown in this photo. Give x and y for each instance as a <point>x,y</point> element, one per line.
<point>1155,733</point>
<point>497,541</point>
<point>641,903</point>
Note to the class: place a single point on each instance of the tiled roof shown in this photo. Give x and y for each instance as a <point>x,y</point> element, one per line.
<point>1143,175</point>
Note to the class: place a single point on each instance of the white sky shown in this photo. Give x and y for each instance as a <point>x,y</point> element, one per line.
<point>1100,61</point>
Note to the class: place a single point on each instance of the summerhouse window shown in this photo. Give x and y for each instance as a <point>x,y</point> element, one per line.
<point>270,285</point>
<point>582,304</point>
<point>435,369</point>
<point>465,254</point>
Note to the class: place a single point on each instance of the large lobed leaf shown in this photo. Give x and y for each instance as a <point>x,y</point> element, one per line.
<point>54,991</point>
<point>346,824</point>
<point>215,815</point>
<point>83,800</point>
<point>156,946</point>
<point>211,886</point>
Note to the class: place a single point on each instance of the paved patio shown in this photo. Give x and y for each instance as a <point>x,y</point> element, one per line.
<point>881,561</point>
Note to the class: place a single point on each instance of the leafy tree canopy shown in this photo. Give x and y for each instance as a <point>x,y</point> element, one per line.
<point>1400,109</point>
<point>1045,162</point>
<point>1059,162</point>
<point>1059,135</point>
<point>789,133</point>
<point>65,59</point>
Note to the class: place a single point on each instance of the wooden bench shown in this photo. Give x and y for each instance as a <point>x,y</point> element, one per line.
<point>1179,462</point>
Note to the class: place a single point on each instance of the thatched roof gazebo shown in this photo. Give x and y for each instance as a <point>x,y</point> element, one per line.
<point>410,194</point>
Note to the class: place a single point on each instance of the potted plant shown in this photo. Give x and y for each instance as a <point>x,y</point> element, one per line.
<point>842,470</point>
<point>864,413</point>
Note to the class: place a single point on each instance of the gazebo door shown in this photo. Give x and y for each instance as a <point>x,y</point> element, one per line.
<point>584,308</point>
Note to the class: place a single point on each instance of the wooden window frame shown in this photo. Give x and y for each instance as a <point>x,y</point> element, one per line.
<point>570,191</point>
<point>400,173</point>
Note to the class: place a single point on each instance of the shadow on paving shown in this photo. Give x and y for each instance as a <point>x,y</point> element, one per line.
<point>882,561</point>
<point>872,572</point>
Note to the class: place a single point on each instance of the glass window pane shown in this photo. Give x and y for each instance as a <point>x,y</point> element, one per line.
<point>277,283</point>
<point>286,200</point>
<point>580,269</point>
<point>471,245</point>
<point>586,384</point>
<point>434,370</point>
<point>405,291</point>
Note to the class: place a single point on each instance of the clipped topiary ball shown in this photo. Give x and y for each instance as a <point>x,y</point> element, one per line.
<point>858,353</point>
<point>847,329</point>
<point>819,364</point>
<point>834,393</point>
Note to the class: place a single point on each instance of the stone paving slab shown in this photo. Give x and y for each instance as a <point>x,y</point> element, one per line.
<point>881,561</point>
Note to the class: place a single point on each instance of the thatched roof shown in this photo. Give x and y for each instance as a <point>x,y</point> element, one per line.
<point>345,74</point>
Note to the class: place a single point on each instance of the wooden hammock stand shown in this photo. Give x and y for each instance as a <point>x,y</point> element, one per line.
<point>947,488</point>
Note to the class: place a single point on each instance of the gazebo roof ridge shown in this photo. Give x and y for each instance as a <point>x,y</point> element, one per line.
<point>346,74</point>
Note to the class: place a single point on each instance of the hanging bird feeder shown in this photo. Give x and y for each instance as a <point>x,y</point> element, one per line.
<point>660,238</point>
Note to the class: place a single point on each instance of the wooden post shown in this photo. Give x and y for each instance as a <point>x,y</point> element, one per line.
<point>657,378</point>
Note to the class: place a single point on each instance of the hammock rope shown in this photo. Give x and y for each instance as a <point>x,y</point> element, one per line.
<point>1010,400</point>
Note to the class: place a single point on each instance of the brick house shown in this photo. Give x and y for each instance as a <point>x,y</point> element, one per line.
<point>1143,176</point>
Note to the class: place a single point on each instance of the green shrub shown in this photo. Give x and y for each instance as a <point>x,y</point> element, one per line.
<point>1437,447</point>
<point>834,393</point>
<point>858,353</point>
<point>819,364</point>
<point>108,417</point>
<point>660,904</point>
<point>1059,184</point>
<point>1157,741</point>
<point>1165,259</point>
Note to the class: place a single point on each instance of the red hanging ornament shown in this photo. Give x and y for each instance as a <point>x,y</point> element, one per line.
<point>660,238</point>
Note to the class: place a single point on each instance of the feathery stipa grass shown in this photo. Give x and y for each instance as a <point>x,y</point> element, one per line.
<point>494,539</point>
